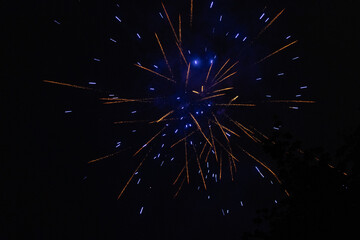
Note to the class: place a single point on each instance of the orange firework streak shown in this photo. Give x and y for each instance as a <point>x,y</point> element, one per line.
<point>227,70</point>
<point>183,138</point>
<point>182,183</point>
<point>134,121</point>
<point>227,129</point>
<point>181,53</point>
<point>67,84</point>
<point>163,53</point>
<point>271,22</point>
<point>149,141</point>
<point>182,170</point>
<point>233,99</point>
<point>216,83</point>
<point>180,28</point>
<point>168,18</point>
<point>186,163</point>
<point>291,101</point>
<point>221,69</point>
<point>122,191</point>
<point>201,172</point>
<point>162,118</point>
<point>147,69</point>
<point>107,156</point>
<point>207,76</point>
<point>198,126</point>
<point>236,104</point>
<point>231,172</point>
<point>246,131</point>
<point>202,151</point>
<point>222,130</point>
<point>207,155</point>
<point>213,143</point>
<point>191,12</point>
<point>221,90</point>
<point>213,96</point>
<point>187,75</point>
<point>280,49</point>
<point>230,153</point>
<point>220,166</point>
<point>262,164</point>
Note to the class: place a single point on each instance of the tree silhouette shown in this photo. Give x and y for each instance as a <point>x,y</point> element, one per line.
<point>323,200</point>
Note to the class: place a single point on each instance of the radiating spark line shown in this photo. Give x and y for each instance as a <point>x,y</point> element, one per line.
<point>207,155</point>
<point>181,53</point>
<point>224,89</point>
<point>263,135</point>
<point>245,130</point>
<point>218,123</point>
<point>180,28</point>
<point>291,101</point>
<point>165,120</point>
<point>271,22</point>
<point>67,84</point>
<point>201,172</point>
<point>183,139</point>
<point>182,183</point>
<point>186,163</point>
<point>122,191</point>
<point>280,49</point>
<point>212,96</point>
<point>198,126</point>
<point>171,26</point>
<point>107,156</point>
<point>182,170</point>
<point>229,130</point>
<point>133,121</point>
<point>231,172</point>
<point>236,104</point>
<point>227,70</point>
<point>191,12</point>
<point>202,88</point>
<point>202,151</point>
<point>187,76</point>
<point>262,164</point>
<point>164,55</point>
<point>207,76</point>
<point>230,153</point>
<point>220,166</point>
<point>233,99</point>
<point>220,81</point>
<point>213,143</point>
<point>221,69</point>
<point>149,141</point>
<point>147,69</point>
<point>162,118</point>
<point>196,92</point>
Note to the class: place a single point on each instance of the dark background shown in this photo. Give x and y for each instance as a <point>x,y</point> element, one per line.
<point>45,151</point>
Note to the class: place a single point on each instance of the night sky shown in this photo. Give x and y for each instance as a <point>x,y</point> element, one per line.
<point>51,192</point>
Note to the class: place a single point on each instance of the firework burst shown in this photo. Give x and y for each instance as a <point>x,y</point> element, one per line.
<point>198,99</point>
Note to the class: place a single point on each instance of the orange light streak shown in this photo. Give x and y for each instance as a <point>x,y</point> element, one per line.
<point>67,84</point>
<point>220,81</point>
<point>182,170</point>
<point>164,55</point>
<point>168,18</point>
<point>221,69</point>
<point>198,126</point>
<point>201,172</point>
<point>212,96</point>
<point>149,141</point>
<point>207,76</point>
<point>271,22</point>
<point>162,118</point>
<point>147,69</point>
<point>122,191</point>
<point>280,49</point>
